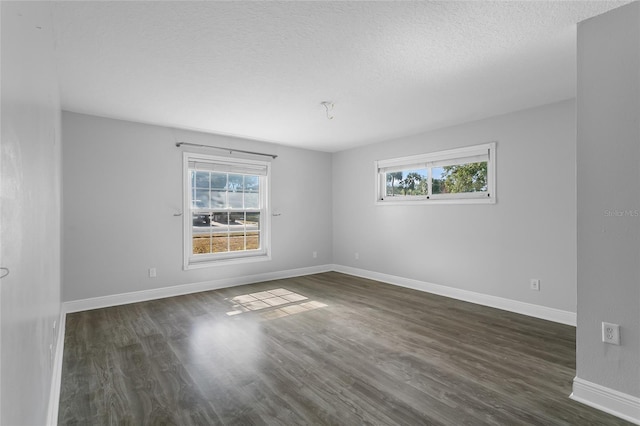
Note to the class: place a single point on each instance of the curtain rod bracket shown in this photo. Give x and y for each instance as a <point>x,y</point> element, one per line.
<point>231,151</point>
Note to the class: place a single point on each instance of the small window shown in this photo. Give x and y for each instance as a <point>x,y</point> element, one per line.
<point>226,210</point>
<point>462,175</point>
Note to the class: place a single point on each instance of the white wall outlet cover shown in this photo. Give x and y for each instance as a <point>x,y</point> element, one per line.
<point>535,284</point>
<point>611,333</point>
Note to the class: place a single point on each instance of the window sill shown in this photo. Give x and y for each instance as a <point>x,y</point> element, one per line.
<point>226,261</point>
<point>409,202</point>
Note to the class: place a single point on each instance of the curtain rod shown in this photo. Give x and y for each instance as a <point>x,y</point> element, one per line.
<point>231,150</point>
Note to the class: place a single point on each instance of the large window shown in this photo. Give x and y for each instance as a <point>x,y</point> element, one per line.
<point>462,175</point>
<point>226,210</point>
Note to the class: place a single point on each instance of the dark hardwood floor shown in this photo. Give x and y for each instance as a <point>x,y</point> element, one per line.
<point>321,349</point>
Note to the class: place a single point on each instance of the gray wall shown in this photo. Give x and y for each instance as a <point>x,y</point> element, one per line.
<point>489,249</point>
<point>30,211</point>
<point>123,184</point>
<point>608,159</point>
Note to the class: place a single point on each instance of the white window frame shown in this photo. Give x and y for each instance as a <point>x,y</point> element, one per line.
<point>191,261</point>
<point>483,152</point>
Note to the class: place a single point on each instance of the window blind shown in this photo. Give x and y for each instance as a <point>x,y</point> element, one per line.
<point>256,169</point>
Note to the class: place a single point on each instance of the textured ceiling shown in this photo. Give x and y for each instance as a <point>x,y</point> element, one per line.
<point>260,69</point>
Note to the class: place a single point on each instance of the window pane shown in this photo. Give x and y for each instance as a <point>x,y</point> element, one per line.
<point>234,191</point>
<point>470,177</point>
<point>219,181</point>
<point>220,243</point>
<point>237,232</point>
<point>251,192</point>
<point>201,219</point>
<point>236,241</point>
<point>252,224</point>
<point>220,218</point>
<point>237,219</point>
<point>252,221</point>
<point>251,183</point>
<point>201,240</point>
<point>220,232</point>
<point>201,179</point>
<point>252,228</point>
<point>411,182</point>
<point>235,183</point>
<point>235,200</point>
<point>201,200</point>
<point>193,197</point>
<point>218,199</point>
<point>437,181</point>
<point>251,200</point>
<point>253,240</point>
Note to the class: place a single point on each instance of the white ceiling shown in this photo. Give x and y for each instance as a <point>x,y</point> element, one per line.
<point>260,69</point>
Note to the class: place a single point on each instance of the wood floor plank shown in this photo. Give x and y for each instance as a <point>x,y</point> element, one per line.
<point>325,349</point>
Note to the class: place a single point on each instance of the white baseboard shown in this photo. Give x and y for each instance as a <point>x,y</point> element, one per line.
<point>56,376</point>
<point>529,309</point>
<point>179,290</point>
<point>610,401</point>
<point>537,311</point>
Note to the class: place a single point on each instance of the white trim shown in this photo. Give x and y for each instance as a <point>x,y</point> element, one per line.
<point>407,201</point>
<point>537,311</point>
<point>610,401</point>
<point>178,290</point>
<point>242,257</point>
<point>56,375</point>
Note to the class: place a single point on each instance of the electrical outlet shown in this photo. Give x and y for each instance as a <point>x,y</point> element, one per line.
<point>611,333</point>
<point>534,284</point>
<point>356,255</point>
<point>315,254</point>
<point>152,272</point>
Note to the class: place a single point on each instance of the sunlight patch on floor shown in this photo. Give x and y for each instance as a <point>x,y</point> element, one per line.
<point>286,302</point>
